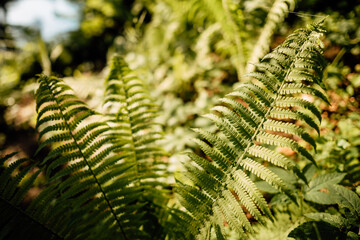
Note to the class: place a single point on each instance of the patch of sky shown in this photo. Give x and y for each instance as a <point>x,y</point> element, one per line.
<point>51,17</point>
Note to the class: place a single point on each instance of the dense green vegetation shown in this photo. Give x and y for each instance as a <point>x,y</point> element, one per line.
<point>191,135</point>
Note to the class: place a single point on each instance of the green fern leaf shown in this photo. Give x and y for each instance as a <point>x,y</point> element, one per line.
<point>252,122</point>
<point>82,148</point>
<point>130,113</point>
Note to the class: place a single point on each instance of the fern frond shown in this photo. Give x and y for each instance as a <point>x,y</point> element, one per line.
<point>252,122</point>
<point>82,154</point>
<point>131,114</point>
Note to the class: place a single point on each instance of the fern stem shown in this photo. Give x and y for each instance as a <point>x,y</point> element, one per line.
<point>335,62</point>
<point>208,234</point>
<point>301,200</point>
<point>87,163</point>
<point>318,236</point>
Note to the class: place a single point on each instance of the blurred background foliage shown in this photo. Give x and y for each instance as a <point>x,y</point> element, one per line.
<point>189,53</point>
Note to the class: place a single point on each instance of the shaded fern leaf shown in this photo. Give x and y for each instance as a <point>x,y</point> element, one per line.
<point>131,114</point>
<point>90,196</point>
<point>16,178</point>
<point>252,122</point>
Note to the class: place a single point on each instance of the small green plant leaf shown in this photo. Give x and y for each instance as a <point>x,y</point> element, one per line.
<point>323,180</point>
<point>319,197</point>
<point>346,198</point>
<point>335,220</point>
<point>317,191</point>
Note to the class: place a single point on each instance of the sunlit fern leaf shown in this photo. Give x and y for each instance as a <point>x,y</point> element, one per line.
<point>252,122</point>
<point>16,178</point>
<point>131,114</point>
<point>96,187</point>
